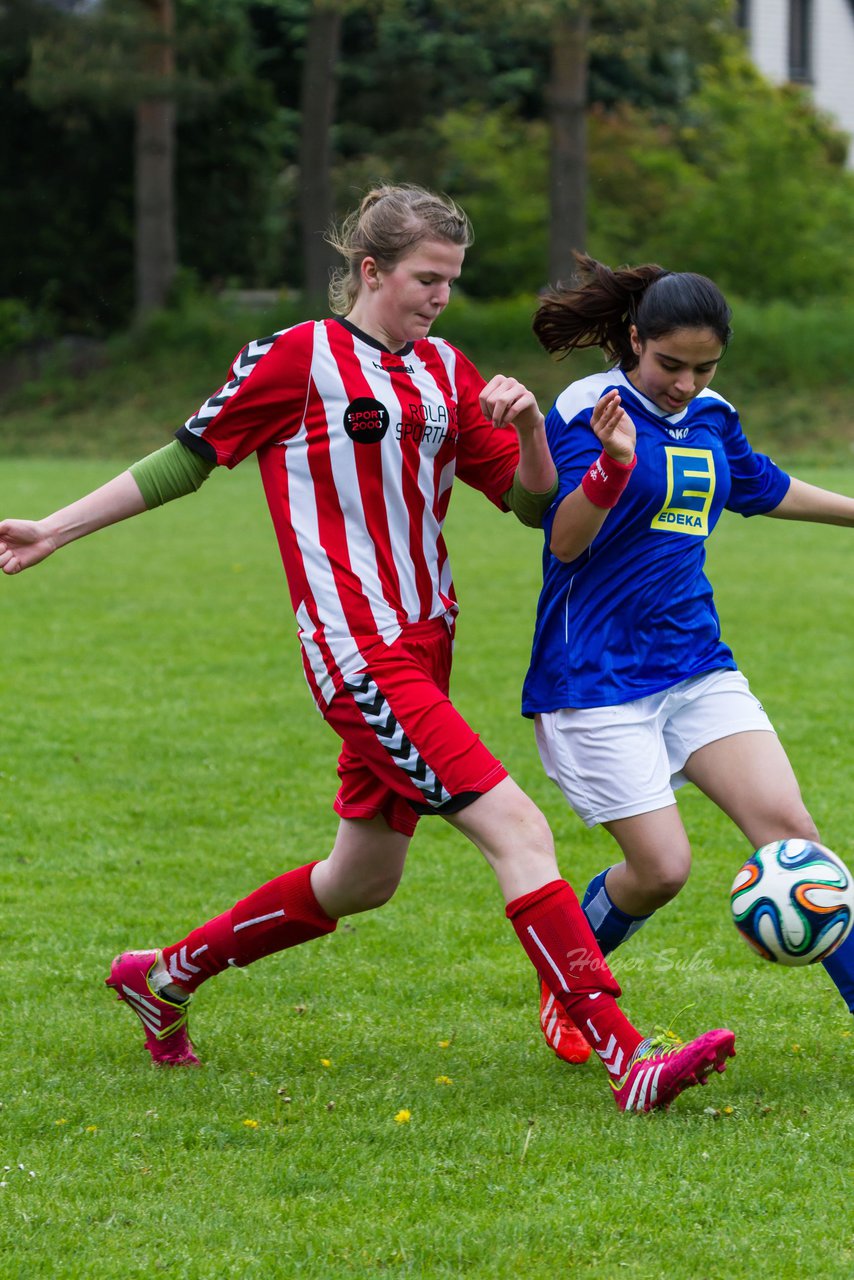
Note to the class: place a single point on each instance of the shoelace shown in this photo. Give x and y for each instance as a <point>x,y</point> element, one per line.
<point>665,1039</point>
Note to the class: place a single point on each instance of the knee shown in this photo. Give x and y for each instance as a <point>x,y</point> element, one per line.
<point>664,881</point>
<point>379,890</point>
<point>512,834</point>
<point>342,893</point>
<point>806,828</point>
<point>789,822</point>
<point>375,890</point>
<point>523,831</point>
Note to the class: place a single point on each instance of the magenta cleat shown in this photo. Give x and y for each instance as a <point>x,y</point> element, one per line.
<point>661,1067</point>
<point>165,1021</point>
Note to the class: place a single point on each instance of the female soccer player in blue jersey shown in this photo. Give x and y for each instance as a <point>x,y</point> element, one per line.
<point>631,688</point>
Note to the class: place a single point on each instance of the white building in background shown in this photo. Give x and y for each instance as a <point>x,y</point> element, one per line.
<point>808,42</point>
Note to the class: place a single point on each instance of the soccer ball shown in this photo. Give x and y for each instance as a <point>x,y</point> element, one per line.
<point>793,901</point>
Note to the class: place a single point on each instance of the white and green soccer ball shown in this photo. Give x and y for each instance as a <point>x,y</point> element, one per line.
<point>793,901</point>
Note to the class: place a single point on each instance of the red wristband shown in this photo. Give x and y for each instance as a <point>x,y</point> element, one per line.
<point>604,482</point>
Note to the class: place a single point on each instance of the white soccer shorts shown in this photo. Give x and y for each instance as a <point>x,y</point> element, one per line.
<point>615,762</point>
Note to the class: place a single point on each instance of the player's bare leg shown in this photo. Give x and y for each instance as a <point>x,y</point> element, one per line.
<point>656,860</point>
<point>749,777</point>
<point>363,869</point>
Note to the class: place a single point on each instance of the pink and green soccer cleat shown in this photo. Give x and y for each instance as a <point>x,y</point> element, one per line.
<point>165,1021</point>
<point>662,1066</point>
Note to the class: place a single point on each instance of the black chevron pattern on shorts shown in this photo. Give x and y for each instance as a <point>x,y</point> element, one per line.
<point>379,715</point>
<point>242,367</point>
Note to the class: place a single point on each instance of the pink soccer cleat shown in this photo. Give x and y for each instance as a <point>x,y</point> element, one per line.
<point>561,1034</point>
<point>662,1066</point>
<point>165,1021</point>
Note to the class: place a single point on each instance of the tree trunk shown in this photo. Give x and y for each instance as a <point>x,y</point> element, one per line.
<point>567,99</point>
<point>155,250</point>
<point>318,114</point>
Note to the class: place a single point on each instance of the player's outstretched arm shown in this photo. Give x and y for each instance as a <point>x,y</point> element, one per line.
<point>24,543</point>
<point>804,501</point>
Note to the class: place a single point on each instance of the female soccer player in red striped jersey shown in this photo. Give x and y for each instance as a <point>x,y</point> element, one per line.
<point>632,689</point>
<point>360,424</point>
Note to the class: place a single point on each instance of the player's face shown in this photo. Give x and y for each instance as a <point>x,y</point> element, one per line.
<point>672,370</point>
<point>400,305</point>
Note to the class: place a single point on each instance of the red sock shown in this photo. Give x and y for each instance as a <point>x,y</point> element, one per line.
<point>282,913</point>
<point>560,944</point>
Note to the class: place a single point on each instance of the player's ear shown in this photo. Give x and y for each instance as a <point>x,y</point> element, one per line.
<point>370,273</point>
<point>634,339</point>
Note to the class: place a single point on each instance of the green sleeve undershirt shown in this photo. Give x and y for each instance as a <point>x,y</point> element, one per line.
<point>171,472</point>
<point>529,508</point>
<point>175,470</point>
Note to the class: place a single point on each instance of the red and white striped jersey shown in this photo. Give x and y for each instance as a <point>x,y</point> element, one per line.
<point>358,449</point>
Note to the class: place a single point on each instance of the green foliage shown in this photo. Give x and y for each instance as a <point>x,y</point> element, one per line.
<point>68,141</point>
<point>18,325</point>
<point>694,160</point>
<point>697,197</point>
<point>788,370</point>
<point>769,177</point>
<point>496,165</point>
<point>161,758</point>
<point>781,343</point>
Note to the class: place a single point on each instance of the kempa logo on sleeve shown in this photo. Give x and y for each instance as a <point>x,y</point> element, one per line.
<point>366,420</point>
<point>690,490</point>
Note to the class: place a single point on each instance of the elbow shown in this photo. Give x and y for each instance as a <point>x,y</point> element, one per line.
<point>561,552</point>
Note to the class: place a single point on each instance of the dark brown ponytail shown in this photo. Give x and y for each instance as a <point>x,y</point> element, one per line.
<point>597,308</point>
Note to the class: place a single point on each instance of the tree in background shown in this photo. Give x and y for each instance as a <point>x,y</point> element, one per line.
<point>318,101</point>
<point>155,248</point>
<point>118,56</point>
<point>83,93</point>
<point>748,185</point>
<point>682,153</point>
<point>66,189</point>
<point>567,114</point>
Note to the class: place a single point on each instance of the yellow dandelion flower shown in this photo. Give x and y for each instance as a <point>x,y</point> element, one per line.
<point>60,1122</point>
<point>444,1044</point>
<point>91,1128</point>
<point>326,1062</point>
<point>444,1080</point>
<point>796,1048</point>
<point>251,1124</point>
<point>403,1117</point>
<point>728,1111</point>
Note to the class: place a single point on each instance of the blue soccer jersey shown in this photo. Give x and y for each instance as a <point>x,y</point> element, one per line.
<point>634,614</point>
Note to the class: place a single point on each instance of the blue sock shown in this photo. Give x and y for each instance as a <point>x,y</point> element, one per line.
<point>610,925</point>
<point>840,966</point>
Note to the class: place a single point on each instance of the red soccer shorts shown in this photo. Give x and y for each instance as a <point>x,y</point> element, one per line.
<point>407,750</point>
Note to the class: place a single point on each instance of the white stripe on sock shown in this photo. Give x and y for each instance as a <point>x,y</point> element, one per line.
<point>258,920</point>
<point>533,934</point>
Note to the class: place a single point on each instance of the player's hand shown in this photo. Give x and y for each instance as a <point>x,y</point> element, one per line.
<point>614,428</point>
<point>508,404</point>
<point>23,543</point>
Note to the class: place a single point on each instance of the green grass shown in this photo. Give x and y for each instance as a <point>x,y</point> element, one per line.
<point>160,758</point>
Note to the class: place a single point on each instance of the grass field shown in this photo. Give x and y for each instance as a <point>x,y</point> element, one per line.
<point>160,757</point>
